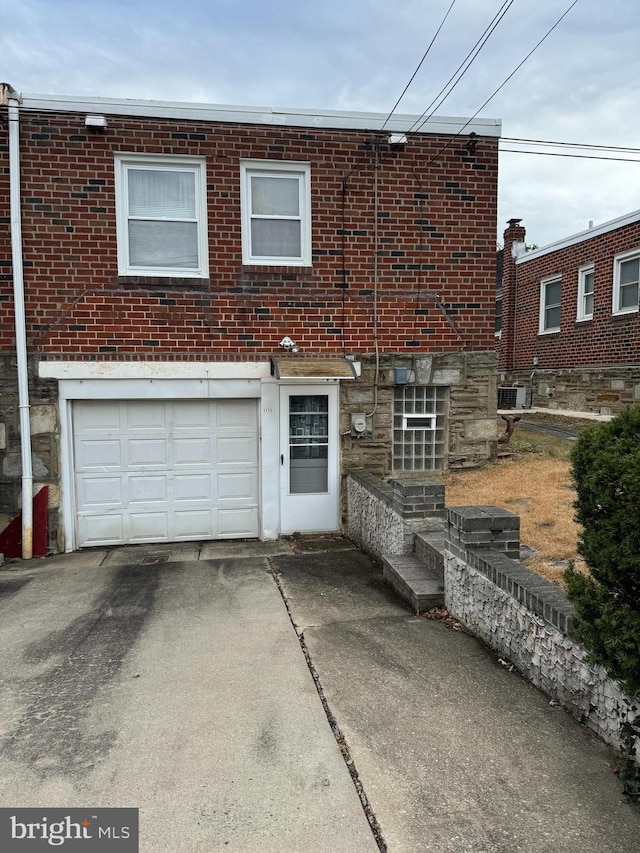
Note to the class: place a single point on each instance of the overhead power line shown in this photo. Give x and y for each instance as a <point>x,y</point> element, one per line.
<point>464,65</point>
<point>504,82</point>
<point>575,156</point>
<point>419,66</point>
<point>520,140</point>
<point>462,69</point>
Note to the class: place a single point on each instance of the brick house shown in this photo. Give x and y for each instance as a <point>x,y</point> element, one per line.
<point>226,308</point>
<point>570,333</point>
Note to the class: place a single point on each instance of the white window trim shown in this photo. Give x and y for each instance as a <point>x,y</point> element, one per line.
<point>410,421</point>
<point>617,260</point>
<point>583,272</point>
<point>545,281</point>
<point>266,167</point>
<point>195,164</point>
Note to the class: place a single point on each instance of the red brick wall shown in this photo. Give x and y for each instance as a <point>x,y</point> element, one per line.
<point>436,237</point>
<point>606,340</point>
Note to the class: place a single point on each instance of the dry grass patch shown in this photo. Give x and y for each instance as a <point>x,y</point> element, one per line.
<point>536,484</point>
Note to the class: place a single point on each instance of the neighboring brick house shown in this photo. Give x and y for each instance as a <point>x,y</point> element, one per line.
<point>203,285</point>
<point>570,335</point>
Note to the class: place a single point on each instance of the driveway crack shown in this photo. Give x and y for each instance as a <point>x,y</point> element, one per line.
<point>333,723</point>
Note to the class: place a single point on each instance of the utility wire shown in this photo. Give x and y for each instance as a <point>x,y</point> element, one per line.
<point>575,156</point>
<point>464,66</point>
<point>504,83</point>
<point>419,66</point>
<point>519,141</point>
<point>462,69</point>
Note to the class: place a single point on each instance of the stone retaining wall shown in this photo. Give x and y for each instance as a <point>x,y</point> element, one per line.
<point>523,617</point>
<point>520,615</point>
<point>384,516</point>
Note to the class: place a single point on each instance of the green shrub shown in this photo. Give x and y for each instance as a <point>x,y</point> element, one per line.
<point>606,473</point>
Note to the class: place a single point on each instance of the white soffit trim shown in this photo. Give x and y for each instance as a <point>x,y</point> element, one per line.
<point>154,370</point>
<point>581,236</point>
<point>262,115</point>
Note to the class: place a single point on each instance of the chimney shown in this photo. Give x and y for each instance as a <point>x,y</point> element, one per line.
<point>513,247</point>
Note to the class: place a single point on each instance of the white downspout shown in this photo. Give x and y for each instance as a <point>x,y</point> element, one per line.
<point>12,98</point>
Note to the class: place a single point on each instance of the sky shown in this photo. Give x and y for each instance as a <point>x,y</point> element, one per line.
<point>581,85</point>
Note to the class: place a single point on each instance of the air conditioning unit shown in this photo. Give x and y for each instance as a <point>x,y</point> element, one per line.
<point>512,397</point>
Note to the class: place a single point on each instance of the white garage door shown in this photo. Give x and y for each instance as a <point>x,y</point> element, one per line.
<point>163,471</point>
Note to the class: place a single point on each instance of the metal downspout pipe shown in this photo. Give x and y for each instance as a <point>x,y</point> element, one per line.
<point>12,98</point>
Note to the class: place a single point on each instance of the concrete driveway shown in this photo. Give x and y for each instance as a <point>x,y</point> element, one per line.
<point>174,684</point>
<point>173,680</point>
<point>456,753</point>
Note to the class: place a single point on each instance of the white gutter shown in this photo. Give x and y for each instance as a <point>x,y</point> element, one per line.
<point>9,96</point>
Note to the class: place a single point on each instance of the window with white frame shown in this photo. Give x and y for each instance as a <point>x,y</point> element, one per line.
<point>626,275</point>
<point>276,212</point>
<point>585,292</point>
<point>550,292</point>
<point>161,215</point>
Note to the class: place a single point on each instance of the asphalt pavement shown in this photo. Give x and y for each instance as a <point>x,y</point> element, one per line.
<point>194,683</point>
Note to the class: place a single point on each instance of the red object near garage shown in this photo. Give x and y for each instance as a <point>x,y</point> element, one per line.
<point>11,536</point>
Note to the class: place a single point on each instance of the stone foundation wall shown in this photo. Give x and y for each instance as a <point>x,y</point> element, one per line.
<point>45,445</point>
<point>603,391</point>
<point>523,617</point>
<point>472,432</point>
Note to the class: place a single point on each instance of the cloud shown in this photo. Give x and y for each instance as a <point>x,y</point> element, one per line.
<point>581,85</point>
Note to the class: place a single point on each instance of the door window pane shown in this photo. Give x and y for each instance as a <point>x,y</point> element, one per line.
<point>308,444</point>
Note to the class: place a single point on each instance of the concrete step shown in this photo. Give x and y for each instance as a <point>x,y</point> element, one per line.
<point>429,548</point>
<point>414,582</point>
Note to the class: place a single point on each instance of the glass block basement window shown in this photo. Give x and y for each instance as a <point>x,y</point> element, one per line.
<point>419,428</point>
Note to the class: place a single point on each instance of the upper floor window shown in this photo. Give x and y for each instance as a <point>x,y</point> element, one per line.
<point>550,291</point>
<point>585,292</point>
<point>161,215</point>
<point>276,213</point>
<point>626,275</point>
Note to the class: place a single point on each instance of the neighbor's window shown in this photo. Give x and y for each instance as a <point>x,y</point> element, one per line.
<point>585,292</point>
<point>419,428</point>
<point>626,274</point>
<point>498,314</point>
<point>161,216</point>
<point>550,289</point>
<point>276,212</point>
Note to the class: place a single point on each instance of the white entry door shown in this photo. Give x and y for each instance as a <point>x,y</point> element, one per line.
<point>309,463</point>
<point>165,470</point>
